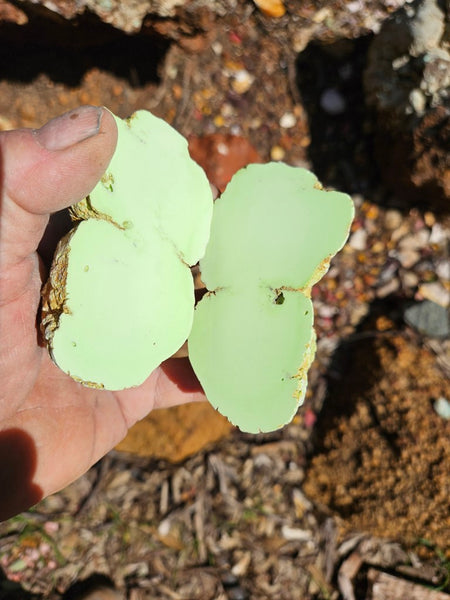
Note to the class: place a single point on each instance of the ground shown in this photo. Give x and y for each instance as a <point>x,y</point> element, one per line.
<point>361,475</point>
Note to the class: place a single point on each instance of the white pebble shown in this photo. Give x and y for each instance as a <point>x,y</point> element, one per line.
<point>408,257</point>
<point>443,270</point>
<point>389,288</point>
<point>438,234</point>
<point>442,407</point>
<point>410,279</point>
<point>393,219</point>
<point>358,240</point>
<point>288,120</point>
<point>242,81</point>
<point>326,311</point>
<point>294,534</point>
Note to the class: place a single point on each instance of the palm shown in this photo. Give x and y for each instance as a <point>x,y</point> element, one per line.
<point>52,429</point>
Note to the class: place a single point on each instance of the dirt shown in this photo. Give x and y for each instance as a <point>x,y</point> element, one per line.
<point>188,507</point>
<point>382,458</point>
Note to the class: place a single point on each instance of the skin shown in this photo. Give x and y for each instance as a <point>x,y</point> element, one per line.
<point>53,429</point>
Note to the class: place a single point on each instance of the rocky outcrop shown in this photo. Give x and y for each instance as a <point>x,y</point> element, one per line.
<point>183,19</point>
<point>407,84</point>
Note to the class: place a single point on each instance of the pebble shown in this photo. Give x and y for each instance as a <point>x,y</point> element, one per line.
<point>407,257</point>
<point>442,407</point>
<point>438,234</point>
<point>435,292</point>
<point>389,288</point>
<point>288,120</point>
<point>415,241</point>
<point>393,219</point>
<point>428,318</point>
<point>417,100</point>
<point>358,240</point>
<point>271,8</point>
<point>333,102</point>
<point>294,534</point>
<point>242,81</point>
<point>410,279</point>
<point>443,270</point>
<point>326,311</point>
<point>277,153</point>
<point>241,567</point>
<point>388,273</point>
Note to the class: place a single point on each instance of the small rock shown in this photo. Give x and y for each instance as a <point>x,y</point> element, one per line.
<point>294,534</point>
<point>221,155</point>
<point>408,257</point>
<point>326,311</point>
<point>442,407</point>
<point>417,101</point>
<point>415,241</point>
<point>388,273</point>
<point>428,318</point>
<point>333,102</point>
<point>262,461</point>
<point>438,234</point>
<point>410,279</point>
<point>427,27</point>
<point>443,270</point>
<point>393,219</point>
<point>241,567</point>
<point>242,81</point>
<point>271,8</point>
<point>277,153</point>
<point>288,120</point>
<point>389,288</point>
<point>435,292</point>
<point>358,240</point>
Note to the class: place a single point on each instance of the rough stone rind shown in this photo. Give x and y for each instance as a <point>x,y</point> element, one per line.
<point>54,291</point>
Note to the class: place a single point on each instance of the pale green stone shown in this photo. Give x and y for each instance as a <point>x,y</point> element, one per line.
<point>129,295</point>
<point>273,233</point>
<point>248,350</point>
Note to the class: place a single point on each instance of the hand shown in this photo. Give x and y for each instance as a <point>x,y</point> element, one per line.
<point>53,429</point>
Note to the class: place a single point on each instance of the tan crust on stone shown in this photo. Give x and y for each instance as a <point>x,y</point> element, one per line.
<point>319,272</point>
<point>54,291</point>
<point>306,364</point>
<point>91,384</point>
<point>83,210</point>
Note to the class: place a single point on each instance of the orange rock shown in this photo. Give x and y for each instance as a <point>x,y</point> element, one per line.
<point>221,155</point>
<point>176,433</point>
<point>271,8</point>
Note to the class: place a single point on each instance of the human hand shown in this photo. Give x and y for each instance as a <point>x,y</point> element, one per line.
<point>52,429</point>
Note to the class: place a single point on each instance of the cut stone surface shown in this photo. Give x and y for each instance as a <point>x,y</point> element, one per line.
<point>120,297</point>
<point>273,233</point>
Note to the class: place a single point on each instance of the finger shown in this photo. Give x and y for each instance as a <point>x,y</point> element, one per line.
<point>46,170</point>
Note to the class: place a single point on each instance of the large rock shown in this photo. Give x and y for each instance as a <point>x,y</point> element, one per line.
<point>407,84</point>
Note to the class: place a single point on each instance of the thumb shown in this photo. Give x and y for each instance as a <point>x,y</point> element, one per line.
<point>48,169</point>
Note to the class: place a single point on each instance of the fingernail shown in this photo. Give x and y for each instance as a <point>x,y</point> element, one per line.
<point>70,129</point>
